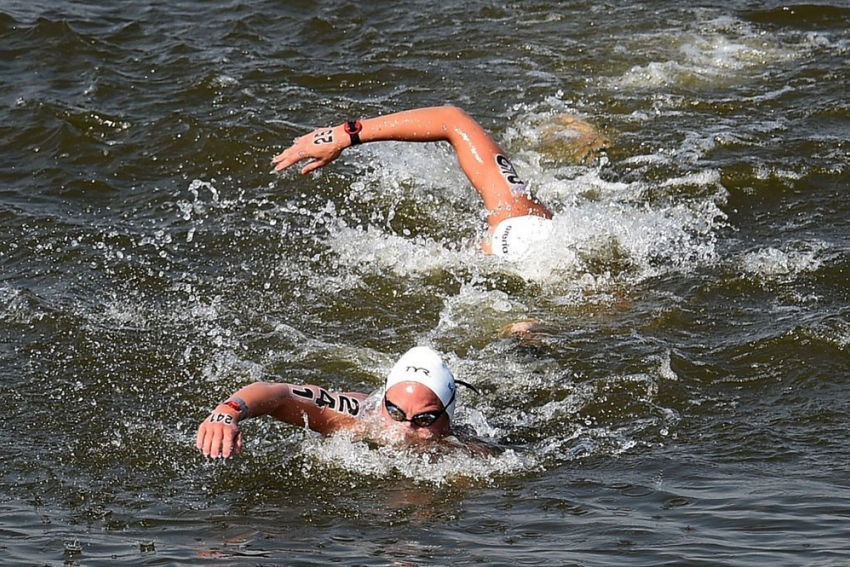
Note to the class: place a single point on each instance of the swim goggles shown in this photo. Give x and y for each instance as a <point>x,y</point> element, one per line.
<point>424,419</point>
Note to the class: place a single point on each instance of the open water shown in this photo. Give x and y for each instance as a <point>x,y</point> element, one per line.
<point>688,407</point>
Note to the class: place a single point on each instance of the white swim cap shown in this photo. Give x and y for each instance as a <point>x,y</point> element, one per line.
<point>425,366</point>
<point>513,236</point>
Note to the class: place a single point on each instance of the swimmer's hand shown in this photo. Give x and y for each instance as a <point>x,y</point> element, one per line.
<point>219,435</point>
<point>320,146</point>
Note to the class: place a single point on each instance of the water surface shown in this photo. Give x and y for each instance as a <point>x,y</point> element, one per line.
<point>688,407</point>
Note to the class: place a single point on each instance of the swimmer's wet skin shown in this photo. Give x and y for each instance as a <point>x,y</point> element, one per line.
<point>418,403</point>
<point>505,195</point>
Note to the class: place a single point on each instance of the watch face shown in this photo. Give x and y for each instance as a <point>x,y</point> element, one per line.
<point>353,127</point>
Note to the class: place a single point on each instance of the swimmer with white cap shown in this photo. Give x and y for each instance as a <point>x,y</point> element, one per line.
<point>418,402</point>
<point>516,219</point>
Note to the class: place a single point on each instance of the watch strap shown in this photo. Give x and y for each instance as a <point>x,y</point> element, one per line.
<point>353,129</point>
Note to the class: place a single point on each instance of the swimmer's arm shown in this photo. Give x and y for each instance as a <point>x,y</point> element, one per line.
<point>482,160</point>
<point>309,406</point>
<point>319,409</point>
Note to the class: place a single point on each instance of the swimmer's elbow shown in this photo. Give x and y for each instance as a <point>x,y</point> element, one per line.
<point>460,127</point>
<point>454,114</point>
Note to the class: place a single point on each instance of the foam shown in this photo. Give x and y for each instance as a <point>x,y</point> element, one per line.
<point>778,264</point>
<point>712,52</point>
<point>603,231</point>
<point>436,467</point>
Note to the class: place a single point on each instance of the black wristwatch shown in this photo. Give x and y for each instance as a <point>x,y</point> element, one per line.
<point>353,128</point>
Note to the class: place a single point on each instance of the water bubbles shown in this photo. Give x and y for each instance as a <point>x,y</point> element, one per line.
<point>784,264</point>
<point>711,52</point>
<point>72,548</point>
<point>437,466</point>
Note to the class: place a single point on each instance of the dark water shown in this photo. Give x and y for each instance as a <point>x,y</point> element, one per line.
<point>688,408</point>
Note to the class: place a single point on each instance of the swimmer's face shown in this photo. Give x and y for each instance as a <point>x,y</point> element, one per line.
<point>415,409</point>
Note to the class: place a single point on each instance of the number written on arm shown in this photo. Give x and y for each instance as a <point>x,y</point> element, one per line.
<point>336,402</point>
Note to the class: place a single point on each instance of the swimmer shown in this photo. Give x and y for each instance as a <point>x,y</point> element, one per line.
<point>515,218</point>
<point>417,405</point>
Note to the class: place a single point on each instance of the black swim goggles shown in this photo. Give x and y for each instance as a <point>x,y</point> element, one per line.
<point>426,418</point>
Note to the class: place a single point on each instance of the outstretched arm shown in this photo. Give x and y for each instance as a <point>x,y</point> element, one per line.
<point>486,166</point>
<point>310,406</point>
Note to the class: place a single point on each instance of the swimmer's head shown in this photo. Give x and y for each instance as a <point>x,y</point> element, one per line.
<point>425,366</point>
<point>512,237</point>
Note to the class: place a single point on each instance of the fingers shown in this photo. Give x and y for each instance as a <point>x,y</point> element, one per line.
<point>319,148</point>
<point>312,166</point>
<point>218,440</point>
<point>199,442</point>
<point>298,151</point>
<point>216,443</point>
<point>290,158</point>
<point>284,158</point>
<point>287,158</point>
<point>204,442</point>
<point>226,444</point>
